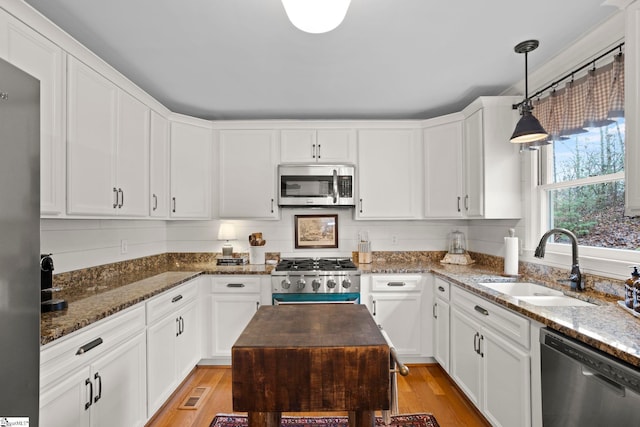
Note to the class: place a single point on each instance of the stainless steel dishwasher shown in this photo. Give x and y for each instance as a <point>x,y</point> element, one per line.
<point>583,387</point>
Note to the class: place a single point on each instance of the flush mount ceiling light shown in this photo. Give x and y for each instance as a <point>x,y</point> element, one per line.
<point>528,129</point>
<point>316,16</point>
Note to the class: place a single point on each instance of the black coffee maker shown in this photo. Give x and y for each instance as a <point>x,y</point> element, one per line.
<point>47,302</point>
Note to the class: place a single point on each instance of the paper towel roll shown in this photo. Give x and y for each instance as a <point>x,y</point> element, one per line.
<point>511,256</point>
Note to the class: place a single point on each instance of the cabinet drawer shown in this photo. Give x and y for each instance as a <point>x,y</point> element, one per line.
<point>503,321</point>
<point>396,283</point>
<point>61,357</point>
<point>441,288</point>
<point>235,284</point>
<point>170,301</point>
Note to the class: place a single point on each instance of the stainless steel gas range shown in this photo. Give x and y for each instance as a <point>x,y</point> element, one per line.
<point>315,280</point>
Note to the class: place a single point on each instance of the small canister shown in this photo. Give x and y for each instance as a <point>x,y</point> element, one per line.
<point>630,294</point>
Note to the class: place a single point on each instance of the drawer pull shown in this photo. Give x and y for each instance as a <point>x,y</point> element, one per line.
<point>235,285</point>
<point>435,310</point>
<point>481,310</point>
<point>440,288</point>
<point>176,298</point>
<point>398,284</point>
<point>93,344</point>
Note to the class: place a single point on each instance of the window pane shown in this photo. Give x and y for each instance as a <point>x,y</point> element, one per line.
<point>599,151</point>
<point>595,214</point>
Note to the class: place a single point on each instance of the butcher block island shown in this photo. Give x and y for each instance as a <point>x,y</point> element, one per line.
<point>311,357</point>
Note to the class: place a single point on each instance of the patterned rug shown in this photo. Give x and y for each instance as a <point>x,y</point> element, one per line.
<point>408,420</point>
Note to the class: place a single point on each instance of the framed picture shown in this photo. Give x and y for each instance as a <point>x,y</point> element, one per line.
<point>316,231</point>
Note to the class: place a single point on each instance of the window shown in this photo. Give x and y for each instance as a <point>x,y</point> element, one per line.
<point>582,180</point>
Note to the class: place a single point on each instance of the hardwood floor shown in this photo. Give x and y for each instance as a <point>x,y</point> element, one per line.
<point>426,389</point>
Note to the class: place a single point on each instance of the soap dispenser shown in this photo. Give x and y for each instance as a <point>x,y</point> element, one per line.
<point>630,285</point>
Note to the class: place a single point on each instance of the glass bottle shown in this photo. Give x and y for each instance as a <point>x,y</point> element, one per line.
<point>630,296</point>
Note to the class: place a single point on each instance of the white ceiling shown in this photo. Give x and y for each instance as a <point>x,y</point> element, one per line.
<point>390,59</point>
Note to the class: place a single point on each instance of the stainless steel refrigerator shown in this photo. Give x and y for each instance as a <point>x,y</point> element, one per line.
<point>19,246</point>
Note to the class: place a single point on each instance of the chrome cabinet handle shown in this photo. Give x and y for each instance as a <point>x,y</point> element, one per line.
<point>176,298</point>
<point>155,202</point>
<point>235,285</point>
<point>480,352</point>
<point>318,150</point>
<point>89,346</point>
<point>121,199</point>
<point>466,202</point>
<point>257,305</point>
<point>181,325</point>
<point>374,307</point>
<point>335,186</point>
<point>476,346</point>
<point>87,404</point>
<point>173,199</point>
<point>458,203</point>
<point>115,193</point>
<point>98,379</point>
<point>313,151</point>
<point>440,288</point>
<point>396,284</point>
<point>271,205</point>
<point>360,205</point>
<point>435,310</point>
<point>481,310</point>
<point>177,326</point>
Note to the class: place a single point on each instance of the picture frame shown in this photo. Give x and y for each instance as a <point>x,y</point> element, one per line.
<point>316,231</point>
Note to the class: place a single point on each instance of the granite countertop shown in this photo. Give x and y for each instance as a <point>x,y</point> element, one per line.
<point>604,326</point>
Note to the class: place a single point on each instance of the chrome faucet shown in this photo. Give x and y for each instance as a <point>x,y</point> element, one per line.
<point>575,277</point>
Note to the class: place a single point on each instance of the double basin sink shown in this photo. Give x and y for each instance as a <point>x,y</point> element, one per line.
<point>536,294</point>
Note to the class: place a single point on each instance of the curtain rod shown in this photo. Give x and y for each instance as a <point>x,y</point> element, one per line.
<point>571,74</point>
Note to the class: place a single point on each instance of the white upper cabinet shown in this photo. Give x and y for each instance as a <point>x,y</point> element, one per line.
<point>443,171</point>
<point>389,174</point>
<point>491,162</point>
<point>190,155</point>
<point>31,52</point>
<point>92,103</point>
<point>320,146</point>
<point>159,166</point>
<point>247,180</point>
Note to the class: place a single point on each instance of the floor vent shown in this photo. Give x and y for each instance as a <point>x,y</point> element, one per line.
<point>194,399</point>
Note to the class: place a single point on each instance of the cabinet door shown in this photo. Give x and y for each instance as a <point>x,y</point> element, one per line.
<point>465,361</point>
<point>161,361</point>
<point>187,342</point>
<point>120,386</point>
<point>443,174</point>
<point>248,160</point>
<point>474,169</point>
<point>68,403</point>
<point>298,145</point>
<point>441,333</point>
<point>389,181</point>
<point>230,314</point>
<point>399,315</point>
<point>91,141</point>
<point>159,166</point>
<point>506,382</point>
<point>132,159</point>
<point>335,146</point>
<point>190,171</point>
<point>31,52</point>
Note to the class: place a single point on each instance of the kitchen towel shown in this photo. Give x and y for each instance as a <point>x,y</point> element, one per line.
<point>511,256</point>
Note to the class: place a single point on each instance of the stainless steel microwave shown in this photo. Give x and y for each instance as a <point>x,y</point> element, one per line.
<point>316,185</point>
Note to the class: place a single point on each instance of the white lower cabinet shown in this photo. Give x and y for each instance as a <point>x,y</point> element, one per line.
<point>233,301</point>
<point>172,342</point>
<point>96,377</point>
<point>399,303</point>
<point>490,359</point>
<point>441,323</point>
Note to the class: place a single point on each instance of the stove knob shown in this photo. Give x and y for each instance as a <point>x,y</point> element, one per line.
<point>346,283</point>
<point>315,285</point>
<point>301,284</point>
<point>286,284</point>
<point>331,283</point>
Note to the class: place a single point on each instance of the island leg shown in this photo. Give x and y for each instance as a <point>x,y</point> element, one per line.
<point>362,418</point>
<point>264,419</point>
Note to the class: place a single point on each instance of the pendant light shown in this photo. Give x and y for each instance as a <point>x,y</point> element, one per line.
<point>528,129</point>
<point>316,16</point>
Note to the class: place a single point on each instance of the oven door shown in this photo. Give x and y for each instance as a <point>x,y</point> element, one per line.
<point>342,298</point>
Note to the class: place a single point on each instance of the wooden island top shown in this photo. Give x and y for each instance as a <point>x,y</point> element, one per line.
<point>311,357</point>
